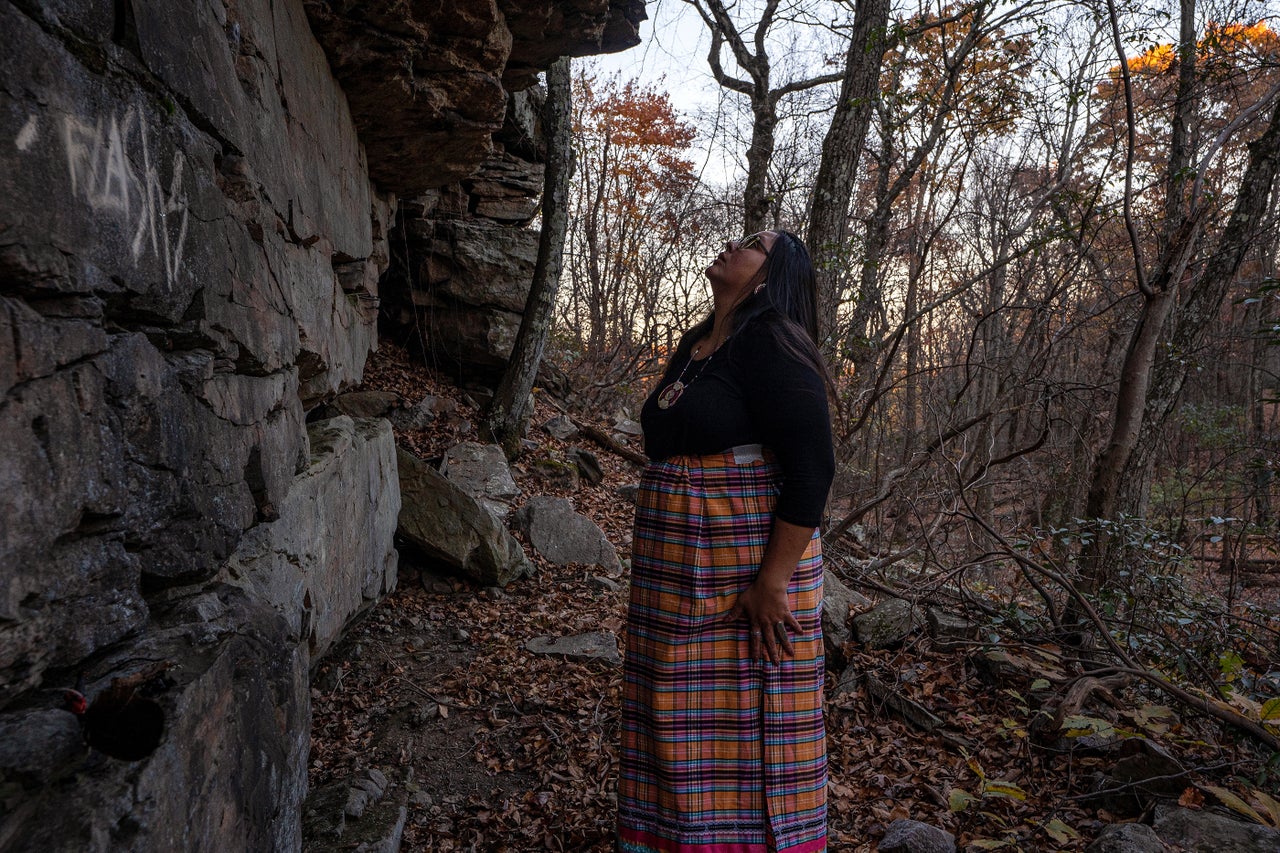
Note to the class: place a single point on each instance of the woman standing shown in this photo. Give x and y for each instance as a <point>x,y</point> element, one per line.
<point>723,746</point>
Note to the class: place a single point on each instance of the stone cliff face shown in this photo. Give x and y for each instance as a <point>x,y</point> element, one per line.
<point>462,257</point>
<point>195,199</point>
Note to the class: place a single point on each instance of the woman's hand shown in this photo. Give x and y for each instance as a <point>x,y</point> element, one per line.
<point>770,620</point>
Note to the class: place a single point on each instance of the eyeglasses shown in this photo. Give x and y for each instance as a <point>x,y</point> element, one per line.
<point>751,241</point>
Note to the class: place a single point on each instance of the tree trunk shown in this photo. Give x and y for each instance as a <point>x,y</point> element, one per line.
<point>1203,300</point>
<point>511,407</point>
<point>756,202</point>
<point>841,154</point>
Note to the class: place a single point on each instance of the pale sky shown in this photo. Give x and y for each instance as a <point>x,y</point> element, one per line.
<point>674,44</point>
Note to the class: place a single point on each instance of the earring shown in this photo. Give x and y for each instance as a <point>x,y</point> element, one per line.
<point>759,287</point>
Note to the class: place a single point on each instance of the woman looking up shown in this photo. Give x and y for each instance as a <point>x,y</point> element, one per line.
<point>723,746</point>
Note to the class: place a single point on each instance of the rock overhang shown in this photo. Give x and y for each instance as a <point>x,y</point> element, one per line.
<point>427,82</point>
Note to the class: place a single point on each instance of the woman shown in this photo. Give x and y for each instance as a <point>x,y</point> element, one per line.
<point>723,747</point>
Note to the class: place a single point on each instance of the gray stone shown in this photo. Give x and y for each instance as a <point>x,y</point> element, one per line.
<point>557,473</point>
<point>604,584</point>
<point>1209,832</point>
<point>887,624</point>
<point>449,526</point>
<point>560,427</point>
<point>366,404</point>
<point>626,426</point>
<point>418,416</point>
<point>598,645</point>
<point>319,582</point>
<point>357,814</point>
<point>950,630</point>
<point>588,465</point>
<point>837,603</point>
<point>39,745</point>
<point>1127,838</point>
<point>1146,767</point>
<point>255,676</point>
<point>628,492</point>
<point>912,836</point>
<point>564,536</point>
<point>481,471</point>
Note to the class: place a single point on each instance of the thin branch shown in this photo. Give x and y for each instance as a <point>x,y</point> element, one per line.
<point>1130,146</point>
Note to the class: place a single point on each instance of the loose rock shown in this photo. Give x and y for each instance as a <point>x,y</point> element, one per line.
<point>837,602</point>
<point>597,645</point>
<point>366,404</point>
<point>418,416</point>
<point>588,465</point>
<point>449,526</point>
<point>480,470</point>
<point>626,426</point>
<point>560,427</point>
<point>564,536</point>
<point>1207,832</point>
<point>912,836</point>
<point>887,624</point>
<point>949,630</point>
<point>1127,838</point>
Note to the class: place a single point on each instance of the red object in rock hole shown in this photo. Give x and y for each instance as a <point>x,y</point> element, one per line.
<point>120,721</point>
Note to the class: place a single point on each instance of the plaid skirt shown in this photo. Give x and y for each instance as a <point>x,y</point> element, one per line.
<point>720,754</point>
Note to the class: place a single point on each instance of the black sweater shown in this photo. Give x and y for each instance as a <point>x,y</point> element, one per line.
<point>751,391</point>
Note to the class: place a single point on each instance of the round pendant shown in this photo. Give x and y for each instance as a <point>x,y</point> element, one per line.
<point>668,396</point>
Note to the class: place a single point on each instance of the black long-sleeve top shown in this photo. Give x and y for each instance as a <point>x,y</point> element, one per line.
<point>751,391</point>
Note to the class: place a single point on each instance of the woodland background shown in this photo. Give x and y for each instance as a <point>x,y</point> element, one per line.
<point>1046,236</point>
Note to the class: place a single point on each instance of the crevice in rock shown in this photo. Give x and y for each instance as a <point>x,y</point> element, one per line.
<point>124,30</point>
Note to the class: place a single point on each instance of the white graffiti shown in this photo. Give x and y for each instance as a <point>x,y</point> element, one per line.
<point>103,174</point>
<point>28,134</point>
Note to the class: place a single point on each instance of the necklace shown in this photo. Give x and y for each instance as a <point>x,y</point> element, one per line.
<point>667,396</point>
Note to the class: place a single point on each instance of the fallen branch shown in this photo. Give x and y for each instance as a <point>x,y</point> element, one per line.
<point>606,441</point>
<point>1216,710</point>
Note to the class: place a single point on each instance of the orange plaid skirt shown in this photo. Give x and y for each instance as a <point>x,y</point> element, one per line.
<point>720,753</point>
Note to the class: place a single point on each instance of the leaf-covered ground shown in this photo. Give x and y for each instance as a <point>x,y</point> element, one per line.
<point>512,751</point>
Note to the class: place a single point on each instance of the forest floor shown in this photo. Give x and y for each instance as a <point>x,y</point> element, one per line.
<point>512,751</point>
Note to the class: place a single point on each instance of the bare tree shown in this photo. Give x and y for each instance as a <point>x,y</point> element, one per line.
<point>841,155</point>
<point>764,97</point>
<point>509,411</point>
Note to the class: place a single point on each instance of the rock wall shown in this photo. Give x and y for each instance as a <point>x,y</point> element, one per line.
<point>195,199</point>
<point>462,256</point>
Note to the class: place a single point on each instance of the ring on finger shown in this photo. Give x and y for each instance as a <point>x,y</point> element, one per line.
<point>780,629</point>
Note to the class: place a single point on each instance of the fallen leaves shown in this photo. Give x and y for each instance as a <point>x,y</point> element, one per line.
<point>517,752</point>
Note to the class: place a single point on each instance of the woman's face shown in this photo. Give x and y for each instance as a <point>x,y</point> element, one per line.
<point>741,264</point>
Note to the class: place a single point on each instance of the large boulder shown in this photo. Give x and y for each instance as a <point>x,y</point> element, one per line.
<point>319,582</point>
<point>481,471</point>
<point>450,527</point>
<point>1208,832</point>
<point>235,728</point>
<point>564,536</point>
<point>838,603</point>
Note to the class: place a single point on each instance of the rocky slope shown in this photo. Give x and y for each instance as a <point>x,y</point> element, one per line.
<point>196,203</point>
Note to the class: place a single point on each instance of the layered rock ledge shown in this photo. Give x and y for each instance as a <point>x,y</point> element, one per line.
<point>195,202</point>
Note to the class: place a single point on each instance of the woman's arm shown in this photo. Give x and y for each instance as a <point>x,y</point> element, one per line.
<point>764,604</point>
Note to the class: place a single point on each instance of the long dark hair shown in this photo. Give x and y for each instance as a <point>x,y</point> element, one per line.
<point>787,304</point>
